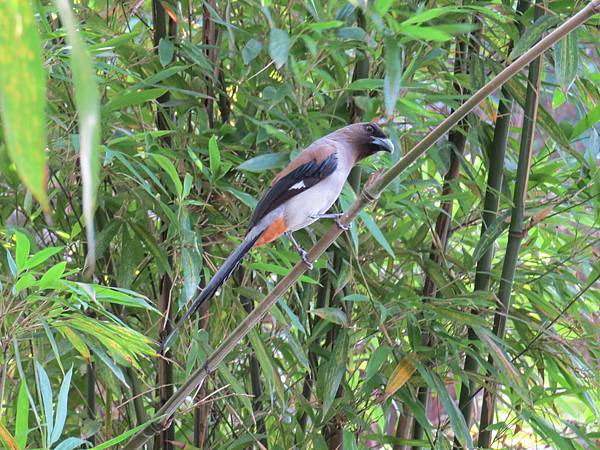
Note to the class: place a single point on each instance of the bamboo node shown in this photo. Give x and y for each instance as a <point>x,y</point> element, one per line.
<point>370,198</point>
<point>517,234</point>
<point>207,368</point>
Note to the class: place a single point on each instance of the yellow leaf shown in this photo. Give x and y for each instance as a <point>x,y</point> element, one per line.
<point>76,342</point>
<point>400,375</point>
<point>8,439</point>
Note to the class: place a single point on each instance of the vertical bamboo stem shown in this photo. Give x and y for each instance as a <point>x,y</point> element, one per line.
<point>515,234</point>
<point>163,29</point>
<point>490,212</point>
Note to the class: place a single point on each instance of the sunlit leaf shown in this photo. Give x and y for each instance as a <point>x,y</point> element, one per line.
<point>22,419</point>
<point>8,439</point>
<point>87,101</point>
<point>23,96</point>
<point>45,389</point>
<point>393,75</point>
<point>400,375</point>
<point>566,55</point>
<point>61,407</point>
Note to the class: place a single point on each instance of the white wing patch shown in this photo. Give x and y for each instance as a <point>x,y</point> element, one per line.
<point>298,185</point>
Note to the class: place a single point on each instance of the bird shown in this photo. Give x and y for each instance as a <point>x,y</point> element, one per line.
<point>299,195</point>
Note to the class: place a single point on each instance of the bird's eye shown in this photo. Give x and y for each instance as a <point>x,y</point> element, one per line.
<point>370,129</point>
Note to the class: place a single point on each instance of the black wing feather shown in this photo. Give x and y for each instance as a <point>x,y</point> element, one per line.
<point>310,173</point>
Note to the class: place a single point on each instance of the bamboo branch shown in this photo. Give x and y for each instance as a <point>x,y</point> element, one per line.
<point>515,234</point>
<point>369,195</point>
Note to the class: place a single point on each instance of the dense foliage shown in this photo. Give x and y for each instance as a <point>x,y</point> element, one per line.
<point>200,103</point>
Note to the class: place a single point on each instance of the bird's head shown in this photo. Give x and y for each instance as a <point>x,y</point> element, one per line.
<point>366,139</point>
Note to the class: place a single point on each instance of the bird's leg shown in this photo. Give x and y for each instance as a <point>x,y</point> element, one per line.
<point>303,253</point>
<point>336,216</point>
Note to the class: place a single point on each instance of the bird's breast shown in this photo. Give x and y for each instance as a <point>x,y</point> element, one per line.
<point>316,200</point>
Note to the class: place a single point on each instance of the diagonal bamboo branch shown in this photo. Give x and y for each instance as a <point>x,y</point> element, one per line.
<point>369,195</point>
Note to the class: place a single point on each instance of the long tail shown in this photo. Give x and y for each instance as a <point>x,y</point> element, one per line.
<point>215,283</point>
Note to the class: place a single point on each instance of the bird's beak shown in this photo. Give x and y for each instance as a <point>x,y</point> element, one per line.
<point>383,144</point>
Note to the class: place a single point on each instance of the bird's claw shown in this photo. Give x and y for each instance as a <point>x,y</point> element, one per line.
<point>341,225</point>
<point>304,256</point>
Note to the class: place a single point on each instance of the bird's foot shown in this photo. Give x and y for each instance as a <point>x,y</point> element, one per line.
<point>344,227</point>
<point>303,253</point>
<point>336,217</point>
<point>304,256</point>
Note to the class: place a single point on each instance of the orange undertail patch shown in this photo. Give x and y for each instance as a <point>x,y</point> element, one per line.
<point>273,231</point>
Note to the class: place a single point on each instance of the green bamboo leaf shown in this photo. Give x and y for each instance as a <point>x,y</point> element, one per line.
<point>50,336</point>
<point>41,256</point>
<point>46,392</point>
<point>166,165</point>
<point>112,443</point>
<point>251,51</point>
<point>379,356</point>
<point>331,373</point>
<point>87,102</point>
<point>545,429</point>
<point>133,98</point>
<point>266,364</point>
<point>364,84</point>
<point>426,33</point>
<point>214,156</point>
<point>566,57</point>
<point>376,232</point>
<point>279,44</point>
<point>382,6</point>
<point>393,74</point>
<point>457,421</point>
<point>71,444</point>
<point>114,368</point>
<point>22,419</point>
<point>532,34</point>
<point>246,199</point>
<point>61,407</point>
<point>588,121</point>
<point>23,96</point>
<point>490,235</point>
<point>51,278</point>
<point>152,246</point>
<point>166,50</point>
<point>22,248</point>
<point>265,161</point>
<point>330,314</point>
<point>328,25</point>
<point>349,441</point>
